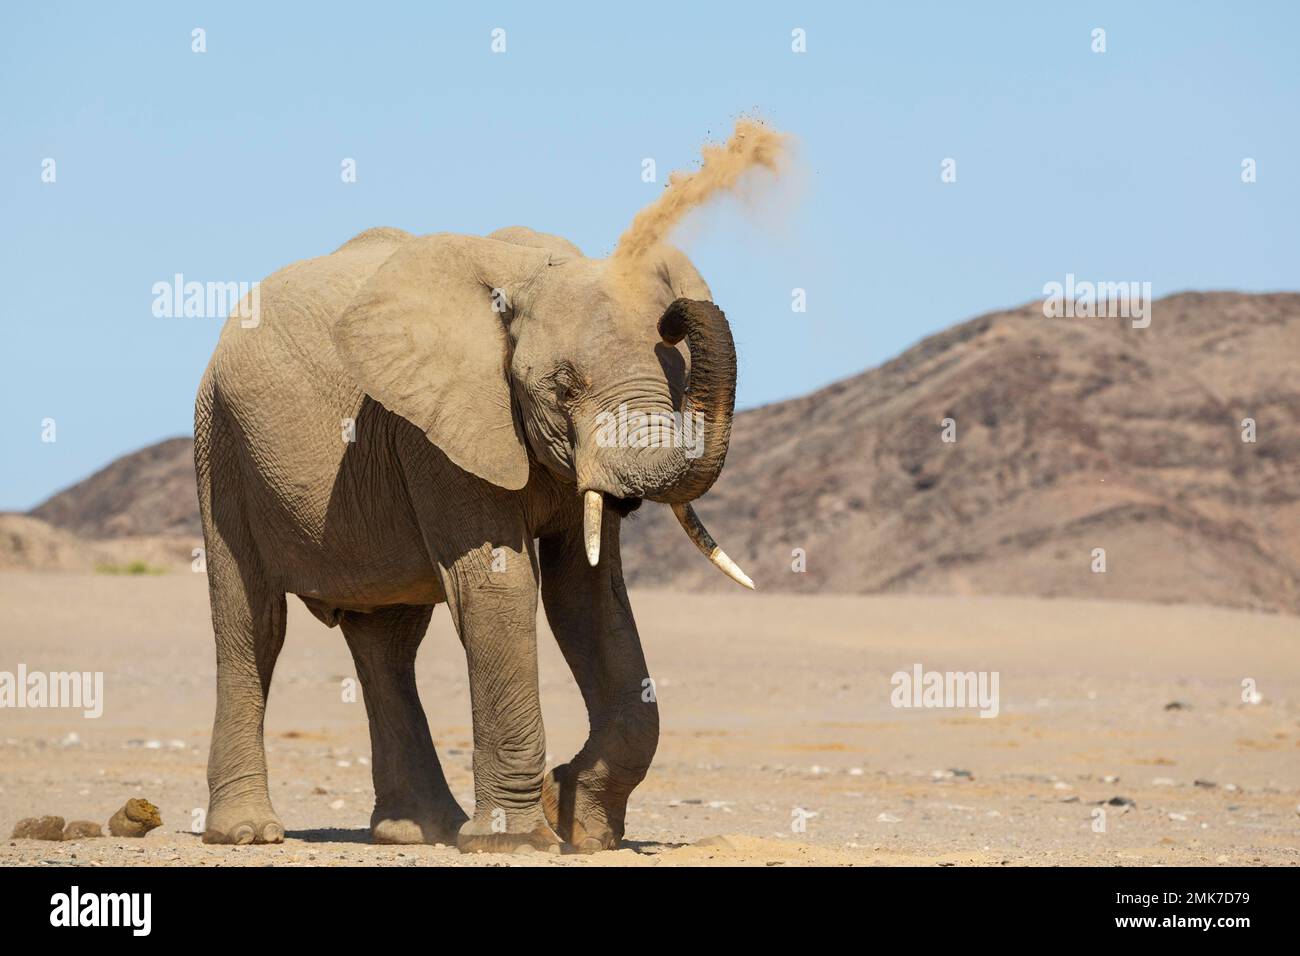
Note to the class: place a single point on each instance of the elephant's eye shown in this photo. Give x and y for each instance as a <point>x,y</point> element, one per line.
<point>568,386</point>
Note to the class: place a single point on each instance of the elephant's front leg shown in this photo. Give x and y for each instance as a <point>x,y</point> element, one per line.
<point>588,610</point>
<point>492,593</point>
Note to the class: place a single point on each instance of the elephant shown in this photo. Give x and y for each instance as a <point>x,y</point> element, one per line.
<point>423,420</point>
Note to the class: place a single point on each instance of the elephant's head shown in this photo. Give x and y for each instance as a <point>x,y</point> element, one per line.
<point>619,376</point>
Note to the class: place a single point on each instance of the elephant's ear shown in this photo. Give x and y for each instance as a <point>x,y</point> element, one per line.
<point>426,337</point>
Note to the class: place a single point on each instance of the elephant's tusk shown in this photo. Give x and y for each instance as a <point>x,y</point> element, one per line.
<point>593,503</point>
<point>696,531</point>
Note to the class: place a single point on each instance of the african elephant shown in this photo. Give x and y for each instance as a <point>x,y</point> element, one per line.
<point>419,420</point>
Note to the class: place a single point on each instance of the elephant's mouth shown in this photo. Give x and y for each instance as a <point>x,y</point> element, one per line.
<point>622,506</point>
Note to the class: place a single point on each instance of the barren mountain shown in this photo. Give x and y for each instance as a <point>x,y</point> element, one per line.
<point>1071,435</point>
<point>150,491</point>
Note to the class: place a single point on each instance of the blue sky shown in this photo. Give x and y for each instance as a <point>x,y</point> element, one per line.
<point>225,166</point>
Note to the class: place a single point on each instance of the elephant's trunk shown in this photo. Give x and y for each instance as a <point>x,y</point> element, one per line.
<point>710,398</point>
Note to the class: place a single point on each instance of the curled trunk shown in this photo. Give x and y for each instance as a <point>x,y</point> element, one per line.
<point>710,394</point>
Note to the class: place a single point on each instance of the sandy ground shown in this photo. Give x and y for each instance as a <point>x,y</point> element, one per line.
<point>775,709</point>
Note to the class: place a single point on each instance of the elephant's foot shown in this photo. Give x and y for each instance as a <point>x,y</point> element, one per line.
<point>431,823</point>
<point>520,835</point>
<point>243,821</point>
<point>587,816</point>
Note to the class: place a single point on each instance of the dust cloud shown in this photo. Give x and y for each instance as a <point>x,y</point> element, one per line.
<point>753,145</point>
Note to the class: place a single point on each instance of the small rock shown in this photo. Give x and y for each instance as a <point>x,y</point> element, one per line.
<point>1162,782</point>
<point>1180,817</point>
<point>966,774</point>
<point>1121,802</point>
<point>39,828</point>
<point>1110,778</point>
<point>1207,784</point>
<point>888,818</point>
<point>337,805</point>
<point>1178,705</point>
<point>82,830</point>
<point>136,818</point>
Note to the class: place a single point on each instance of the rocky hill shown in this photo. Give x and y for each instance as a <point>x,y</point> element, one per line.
<point>150,491</point>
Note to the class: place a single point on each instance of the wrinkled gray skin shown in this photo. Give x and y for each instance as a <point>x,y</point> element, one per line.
<point>474,441</point>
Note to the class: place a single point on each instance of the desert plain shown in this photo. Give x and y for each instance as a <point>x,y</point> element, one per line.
<point>1123,734</point>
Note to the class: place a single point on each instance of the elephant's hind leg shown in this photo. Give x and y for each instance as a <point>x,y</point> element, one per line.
<point>413,803</point>
<point>249,622</point>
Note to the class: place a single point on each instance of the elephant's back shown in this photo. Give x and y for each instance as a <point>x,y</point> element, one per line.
<point>285,344</point>
<point>305,297</point>
<point>278,379</point>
